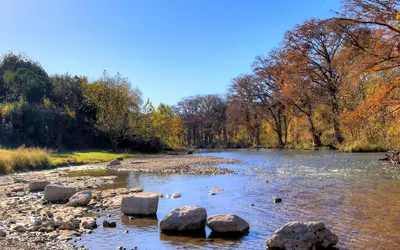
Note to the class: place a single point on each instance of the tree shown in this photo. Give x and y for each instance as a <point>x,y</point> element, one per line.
<point>300,92</point>
<point>117,106</point>
<point>204,118</point>
<point>67,91</point>
<point>317,44</point>
<point>268,88</point>
<point>242,108</point>
<point>167,126</point>
<point>23,79</point>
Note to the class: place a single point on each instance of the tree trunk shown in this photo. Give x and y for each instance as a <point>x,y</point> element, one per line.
<point>225,136</point>
<point>114,145</point>
<point>258,141</point>
<point>336,124</point>
<point>278,127</point>
<point>314,133</point>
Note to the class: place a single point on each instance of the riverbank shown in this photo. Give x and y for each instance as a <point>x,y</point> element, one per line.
<point>31,222</point>
<point>28,159</point>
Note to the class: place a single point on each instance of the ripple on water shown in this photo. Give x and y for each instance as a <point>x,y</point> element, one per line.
<point>354,194</point>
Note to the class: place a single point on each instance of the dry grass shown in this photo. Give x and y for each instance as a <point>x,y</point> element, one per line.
<point>23,159</point>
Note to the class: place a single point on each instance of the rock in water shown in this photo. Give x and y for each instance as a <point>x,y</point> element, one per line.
<point>228,224</point>
<point>145,203</point>
<point>302,235</point>
<point>37,185</point>
<point>80,199</point>
<point>3,233</point>
<point>277,199</point>
<point>176,195</point>
<point>187,218</point>
<point>109,224</point>
<point>54,192</point>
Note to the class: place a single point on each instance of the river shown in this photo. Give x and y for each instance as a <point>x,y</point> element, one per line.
<point>357,197</point>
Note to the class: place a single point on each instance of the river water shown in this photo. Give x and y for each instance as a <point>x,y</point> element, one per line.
<point>357,197</point>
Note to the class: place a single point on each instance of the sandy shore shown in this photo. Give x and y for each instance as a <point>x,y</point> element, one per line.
<point>18,207</point>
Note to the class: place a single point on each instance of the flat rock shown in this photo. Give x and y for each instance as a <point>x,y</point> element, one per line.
<point>187,218</point>
<point>54,192</point>
<point>302,235</point>
<point>145,203</point>
<point>80,199</point>
<point>37,185</point>
<point>227,223</point>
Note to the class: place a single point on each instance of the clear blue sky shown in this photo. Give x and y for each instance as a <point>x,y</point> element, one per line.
<point>169,49</point>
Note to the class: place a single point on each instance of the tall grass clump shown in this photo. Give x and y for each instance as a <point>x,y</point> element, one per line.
<point>359,146</point>
<point>22,159</point>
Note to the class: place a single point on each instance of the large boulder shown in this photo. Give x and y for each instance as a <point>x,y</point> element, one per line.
<point>37,185</point>
<point>55,192</point>
<point>145,203</point>
<point>228,224</point>
<point>188,218</point>
<point>302,235</point>
<point>80,199</point>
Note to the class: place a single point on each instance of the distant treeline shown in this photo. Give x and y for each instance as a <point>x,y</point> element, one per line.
<point>333,82</point>
<point>68,112</point>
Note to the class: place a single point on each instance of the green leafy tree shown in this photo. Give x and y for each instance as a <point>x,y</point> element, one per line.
<point>167,125</point>
<point>23,79</point>
<point>117,107</point>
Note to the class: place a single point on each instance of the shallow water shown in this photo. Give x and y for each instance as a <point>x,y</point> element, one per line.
<point>357,196</point>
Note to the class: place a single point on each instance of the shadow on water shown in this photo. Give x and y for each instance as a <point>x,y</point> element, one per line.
<point>354,194</point>
<point>140,221</point>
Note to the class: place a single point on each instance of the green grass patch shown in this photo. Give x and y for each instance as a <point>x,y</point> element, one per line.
<point>362,147</point>
<point>85,157</point>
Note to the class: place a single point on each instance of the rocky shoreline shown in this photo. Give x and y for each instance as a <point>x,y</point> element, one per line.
<point>29,221</point>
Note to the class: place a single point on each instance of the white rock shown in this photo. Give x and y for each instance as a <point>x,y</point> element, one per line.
<point>55,192</point>
<point>176,195</point>
<point>80,199</point>
<point>227,223</point>
<point>188,218</point>
<point>302,235</point>
<point>37,185</point>
<point>145,203</point>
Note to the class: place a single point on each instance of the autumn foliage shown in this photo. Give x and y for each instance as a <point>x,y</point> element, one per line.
<point>331,82</point>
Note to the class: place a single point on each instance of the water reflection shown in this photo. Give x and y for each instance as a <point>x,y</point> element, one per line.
<point>140,222</point>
